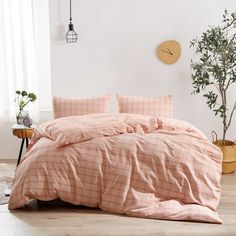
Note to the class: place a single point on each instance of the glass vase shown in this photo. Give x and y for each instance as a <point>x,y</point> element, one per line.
<point>20,115</point>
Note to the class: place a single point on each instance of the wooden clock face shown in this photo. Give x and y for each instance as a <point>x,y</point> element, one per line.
<point>169,51</point>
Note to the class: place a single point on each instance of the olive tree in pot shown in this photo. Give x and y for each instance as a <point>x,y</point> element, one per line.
<point>213,73</point>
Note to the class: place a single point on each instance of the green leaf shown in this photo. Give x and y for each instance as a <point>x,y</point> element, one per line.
<point>24,93</point>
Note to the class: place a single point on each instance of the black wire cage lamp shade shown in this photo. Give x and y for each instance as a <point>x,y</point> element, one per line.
<point>71,36</point>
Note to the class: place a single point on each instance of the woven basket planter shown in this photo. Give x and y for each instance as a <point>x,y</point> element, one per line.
<point>228,149</point>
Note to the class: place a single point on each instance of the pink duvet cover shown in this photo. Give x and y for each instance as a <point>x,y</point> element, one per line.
<point>123,163</point>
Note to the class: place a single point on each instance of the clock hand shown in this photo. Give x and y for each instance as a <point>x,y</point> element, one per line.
<point>168,52</point>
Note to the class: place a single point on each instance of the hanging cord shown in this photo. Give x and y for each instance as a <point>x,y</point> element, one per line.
<point>70,12</point>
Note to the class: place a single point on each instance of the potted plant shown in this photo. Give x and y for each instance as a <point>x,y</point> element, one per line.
<point>22,100</point>
<point>213,73</point>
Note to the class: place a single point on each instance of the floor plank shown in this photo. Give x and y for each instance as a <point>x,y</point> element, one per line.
<point>48,219</point>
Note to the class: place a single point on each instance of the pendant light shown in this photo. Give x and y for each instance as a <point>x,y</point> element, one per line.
<point>71,36</point>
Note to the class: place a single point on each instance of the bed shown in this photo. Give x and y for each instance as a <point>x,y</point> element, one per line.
<point>133,164</point>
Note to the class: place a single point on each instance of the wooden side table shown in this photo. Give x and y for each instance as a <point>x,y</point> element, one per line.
<point>25,133</point>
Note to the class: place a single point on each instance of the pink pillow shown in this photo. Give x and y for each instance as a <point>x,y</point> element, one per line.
<point>161,106</point>
<point>75,107</point>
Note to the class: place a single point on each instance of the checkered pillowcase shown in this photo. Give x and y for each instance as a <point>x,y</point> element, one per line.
<point>75,107</point>
<point>161,106</point>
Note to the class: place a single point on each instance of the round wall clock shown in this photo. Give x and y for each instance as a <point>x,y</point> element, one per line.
<point>169,51</point>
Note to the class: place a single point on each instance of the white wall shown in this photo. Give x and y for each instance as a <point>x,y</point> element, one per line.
<point>116,51</point>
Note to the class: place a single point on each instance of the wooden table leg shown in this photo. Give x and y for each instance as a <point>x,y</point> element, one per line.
<point>20,153</point>
<point>27,143</point>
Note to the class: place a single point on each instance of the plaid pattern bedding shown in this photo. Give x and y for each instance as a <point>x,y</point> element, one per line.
<point>75,107</point>
<point>150,167</point>
<point>161,106</point>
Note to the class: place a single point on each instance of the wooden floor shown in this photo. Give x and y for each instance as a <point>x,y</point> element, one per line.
<point>71,220</point>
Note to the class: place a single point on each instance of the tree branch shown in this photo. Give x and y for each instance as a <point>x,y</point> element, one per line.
<point>231,115</point>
